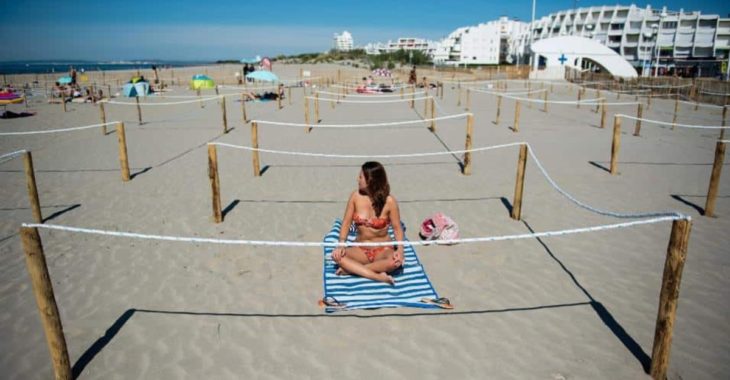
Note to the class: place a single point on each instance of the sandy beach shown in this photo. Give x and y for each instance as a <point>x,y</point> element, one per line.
<point>580,306</point>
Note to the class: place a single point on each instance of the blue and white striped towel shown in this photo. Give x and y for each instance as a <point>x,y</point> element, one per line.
<point>411,284</point>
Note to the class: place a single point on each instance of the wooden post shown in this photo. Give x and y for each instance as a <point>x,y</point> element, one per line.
<point>35,261</point>
<point>103,117</point>
<point>35,204</point>
<point>676,108</point>
<point>255,145</point>
<point>468,144</point>
<point>639,112</point>
<point>580,94</point>
<point>139,110</point>
<point>225,117</point>
<point>433,115</point>
<point>306,112</point>
<point>413,97</point>
<point>214,183</point>
<point>200,100</point>
<point>724,122</point>
<point>668,297</point>
<point>516,126</point>
<point>63,100</point>
<point>715,179</point>
<point>123,159</point>
<point>441,89</point>
<point>243,109</point>
<point>458,102</point>
<point>598,96</point>
<point>499,108</point>
<point>401,92</point>
<point>603,114</point>
<point>545,101</point>
<point>288,94</point>
<point>425,107</point>
<point>519,183</point>
<point>316,108</point>
<point>615,144</point>
<point>468,99</point>
<point>216,90</point>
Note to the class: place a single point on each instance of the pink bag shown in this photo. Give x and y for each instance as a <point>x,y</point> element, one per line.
<point>439,227</point>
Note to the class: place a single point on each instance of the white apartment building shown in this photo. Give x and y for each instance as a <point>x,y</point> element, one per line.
<point>343,42</point>
<point>484,44</point>
<point>403,43</point>
<point>645,37</point>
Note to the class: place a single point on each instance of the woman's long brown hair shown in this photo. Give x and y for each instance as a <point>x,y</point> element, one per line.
<point>378,188</point>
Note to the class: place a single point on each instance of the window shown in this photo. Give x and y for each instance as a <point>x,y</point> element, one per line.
<point>669,25</point>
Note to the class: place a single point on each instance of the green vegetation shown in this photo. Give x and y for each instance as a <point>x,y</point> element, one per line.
<point>386,60</point>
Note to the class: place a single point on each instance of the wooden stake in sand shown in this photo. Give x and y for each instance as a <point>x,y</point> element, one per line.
<point>668,297</point>
<point>413,97</point>
<point>519,183</point>
<point>243,108</point>
<point>225,117</point>
<point>214,183</point>
<point>468,99</point>
<point>316,108</point>
<point>603,114</point>
<point>715,179</point>
<point>499,109</point>
<point>676,108</point>
<point>35,204</point>
<point>615,144</point>
<point>639,112</point>
<point>255,146</point>
<point>35,261</point>
<point>401,92</point>
<point>63,101</point>
<point>516,126</point>
<point>103,117</point>
<point>139,110</point>
<point>545,101</point>
<point>598,96</point>
<point>433,115</point>
<point>458,101</point>
<point>724,122</point>
<point>580,94</point>
<point>278,98</point>
<point>123,159</point>
<point>200,100</point>
<point>306,114</point>
<point>288,94</point>
<point>468,144</point>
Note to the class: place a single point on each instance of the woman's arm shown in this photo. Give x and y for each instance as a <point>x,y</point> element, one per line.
<point>347,218</point>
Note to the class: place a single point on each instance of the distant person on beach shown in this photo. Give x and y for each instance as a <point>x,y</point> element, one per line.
<point>372,209</point>
<point>73,75</point>
<point>412,77</point>
<point>265,95</point>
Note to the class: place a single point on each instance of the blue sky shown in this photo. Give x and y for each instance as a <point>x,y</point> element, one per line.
<point>209,30</point>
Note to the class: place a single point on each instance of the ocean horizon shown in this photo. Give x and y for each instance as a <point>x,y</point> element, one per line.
<point>62,66</point>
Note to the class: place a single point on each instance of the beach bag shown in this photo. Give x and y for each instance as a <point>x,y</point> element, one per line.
<point>439,227</point>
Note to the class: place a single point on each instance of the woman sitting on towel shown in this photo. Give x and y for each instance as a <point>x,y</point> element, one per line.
<point>372,209</point>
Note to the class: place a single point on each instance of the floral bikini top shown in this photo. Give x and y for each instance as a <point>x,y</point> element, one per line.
<point>376,223</point>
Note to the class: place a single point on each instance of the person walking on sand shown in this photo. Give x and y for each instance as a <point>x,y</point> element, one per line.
<point>372,209</point>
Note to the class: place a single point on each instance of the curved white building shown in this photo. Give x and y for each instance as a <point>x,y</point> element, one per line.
<point>555,53</point>
<point>645,37</point>
<point>483,44</point>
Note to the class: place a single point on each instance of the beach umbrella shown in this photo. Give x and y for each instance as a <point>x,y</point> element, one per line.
<point>136,89</point>
<point>263,75</point>
<point>64,80</point>
<point>250,60</point>
<point>201,82</point>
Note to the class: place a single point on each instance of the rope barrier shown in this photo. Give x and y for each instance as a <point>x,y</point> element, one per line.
<point>164,104</point>
<point>386,124</point>
<point>9,156</point>
<point>713,93</point>
<point>701,104</point>
<point>276,243</point>
<point>665,86</point>
<point>674,124</point>
<point>366,102</point>
<point>57,130</point>
<point>361,156</point>
<point>583,101</point>
<point>374,95</point>
<point>452,152</point>
<point>506,92</point>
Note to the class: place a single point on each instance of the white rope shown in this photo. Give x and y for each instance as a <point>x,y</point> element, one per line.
<point>360,156</point>
<point>724,141</point>
<point>582,101</point>
<point>352,244</point>
<point>57,130</point>
<point>164,104</point>
<point>386,124</point>
<point>370,102</point>
<point>673,124</point>
<point>355,87</point>
<point>9,156</point>
<point>373,95</point>
<point>665,86</point>
<point>506,92</point>
<point>701,104</point>
<point>713,93</point>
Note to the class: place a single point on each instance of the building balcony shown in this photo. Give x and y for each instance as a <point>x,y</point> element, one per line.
<point>613,43</point>
<point>615,32</point>
<point>633,31</point>
<point>631,44</point>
